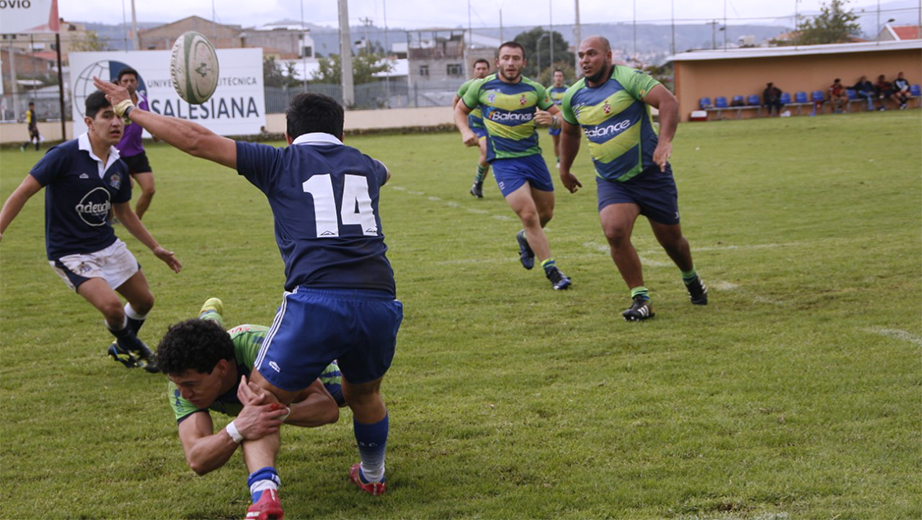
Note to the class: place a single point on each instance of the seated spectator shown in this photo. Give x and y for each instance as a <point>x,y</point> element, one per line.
<point>901,92</point>
<point>771,98</point>
<point>883,90</point>
<point>865,90</point>
<point>837,96</point>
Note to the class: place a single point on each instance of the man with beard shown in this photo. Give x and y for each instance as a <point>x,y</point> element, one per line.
<point>475,121</point>
<point>633,174</point>
<point>511,105</point>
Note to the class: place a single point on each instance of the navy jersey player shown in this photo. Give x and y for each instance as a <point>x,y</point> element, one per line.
<point>339,301</point>
<point>83,180</point>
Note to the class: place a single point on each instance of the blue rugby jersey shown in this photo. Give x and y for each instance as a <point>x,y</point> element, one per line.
<point>79,191</point>
<point>324,198</point>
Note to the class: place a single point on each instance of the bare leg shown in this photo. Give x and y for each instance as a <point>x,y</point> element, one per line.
<point>100,295</point>
<point>137,292</point>
<point>146,182</point>
<point>676,246</point>
<point>524,205</point>
<point>618,224</point>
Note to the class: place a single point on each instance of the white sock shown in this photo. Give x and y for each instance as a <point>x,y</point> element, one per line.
<point>373,475</point>
<point>133,314</point>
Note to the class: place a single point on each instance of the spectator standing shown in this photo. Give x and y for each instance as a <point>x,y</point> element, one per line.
<point>771,98</point>
<point>32,122</point>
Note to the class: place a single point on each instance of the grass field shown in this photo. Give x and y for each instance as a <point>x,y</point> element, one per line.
<point>797,393</point>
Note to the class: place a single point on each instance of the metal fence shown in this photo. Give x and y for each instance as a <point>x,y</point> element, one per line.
<point>47,106</point>
<point>369,96</point>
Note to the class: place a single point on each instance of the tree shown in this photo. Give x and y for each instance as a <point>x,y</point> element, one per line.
<point>274,77</point>
<point>364,66</point>
<point>835,24</point>
<point>546,77</point>
<point>530,40</point>
<point>90,42</point>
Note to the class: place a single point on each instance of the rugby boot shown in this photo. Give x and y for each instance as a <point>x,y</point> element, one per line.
<point>267,508</point>
<point>641,309</point>
<point>122,356</point>
<point>559,281</point>
<point>526,255</point>
<point>697,291</point>
<point>477,189</point>
<point>372,488</point>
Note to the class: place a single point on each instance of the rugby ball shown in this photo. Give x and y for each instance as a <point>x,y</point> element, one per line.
<point>194,68</point>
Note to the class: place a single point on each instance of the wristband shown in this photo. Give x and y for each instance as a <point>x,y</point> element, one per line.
<point>231,430</point>
<point>122,108</point>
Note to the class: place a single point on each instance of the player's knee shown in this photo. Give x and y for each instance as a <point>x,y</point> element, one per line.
<point>617,235</point>
<point>144,304</point>
<point>149,190</point>
<point>113,311</point>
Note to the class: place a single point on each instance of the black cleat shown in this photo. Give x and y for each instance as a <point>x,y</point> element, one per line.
<point>477,189</point>
<point>697,291</point>
<point>526,255</point>
<point>559,281</point>
<point>640,310</point>
<point>122,356</point>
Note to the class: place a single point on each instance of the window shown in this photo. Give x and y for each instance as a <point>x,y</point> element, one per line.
<point>455,69</point>
<point>424,71</point>
<point>307,52</point>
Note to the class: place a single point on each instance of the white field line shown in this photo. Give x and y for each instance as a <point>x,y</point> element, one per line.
<point>452,204</point>
<point>898,334</point>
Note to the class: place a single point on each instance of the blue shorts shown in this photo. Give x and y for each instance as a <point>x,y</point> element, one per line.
<point>553,131</point>
<point>654,191</point>
<point>480,132</point>
<point>511,174</point>
<point>358,328</point>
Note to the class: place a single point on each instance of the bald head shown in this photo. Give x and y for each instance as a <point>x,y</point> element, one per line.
<point>599,42</point>
<point>595,59</point>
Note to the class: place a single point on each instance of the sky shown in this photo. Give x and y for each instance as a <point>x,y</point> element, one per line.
<point>440,13</point>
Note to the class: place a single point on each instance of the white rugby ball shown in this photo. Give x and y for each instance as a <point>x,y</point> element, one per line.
<point>194,68</point>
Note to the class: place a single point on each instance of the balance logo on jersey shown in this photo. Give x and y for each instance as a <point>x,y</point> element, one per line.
<point>115,181</point>
<point>605,131</point>
<point>93,208</point>
<point>504,117</point>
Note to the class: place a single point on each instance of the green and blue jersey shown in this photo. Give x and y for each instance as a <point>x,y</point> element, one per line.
<point>247,341</point>
<point>616,121</point>
<point>556,94</point>
<point>474,119</point>
<point>508,111</point>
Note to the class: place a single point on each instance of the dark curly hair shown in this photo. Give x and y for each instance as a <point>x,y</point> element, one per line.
<point>194,345</point>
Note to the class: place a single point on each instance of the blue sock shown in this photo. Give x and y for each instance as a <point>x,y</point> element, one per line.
<point>372,440</point>
<point>261,480</point>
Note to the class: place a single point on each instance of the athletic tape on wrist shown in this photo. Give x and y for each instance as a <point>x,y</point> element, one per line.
<point>231,430</point>
<point>122,106</point>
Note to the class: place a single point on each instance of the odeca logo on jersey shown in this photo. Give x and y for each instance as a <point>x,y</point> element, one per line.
<point>93,208</point>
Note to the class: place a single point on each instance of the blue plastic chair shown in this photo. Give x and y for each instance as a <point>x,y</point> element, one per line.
<point>818,96</point>
<point>785,98</point>
<point>915,90</point>
<point>800,97</point>
<point>753,100</point>
<point>850,92</point>
<point>720,102</point>
<point>738,100</point>
<point>704,103</point>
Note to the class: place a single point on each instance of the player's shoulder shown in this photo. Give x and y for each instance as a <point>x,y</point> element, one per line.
<point>533,84</point>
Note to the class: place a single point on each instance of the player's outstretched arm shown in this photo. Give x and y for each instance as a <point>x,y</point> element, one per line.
<point>663,100</point>
<point>13,205</point>
<point>134,226</point>
<point>189,137</point>
<point>569,147</point>
<point>313,407</point>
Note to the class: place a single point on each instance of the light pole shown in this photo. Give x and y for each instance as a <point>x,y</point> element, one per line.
<point>881,27</point>
<point>538,45</point>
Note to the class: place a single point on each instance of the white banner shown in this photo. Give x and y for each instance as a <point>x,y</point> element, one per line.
<point>238,106</point>
<point>28,16</point>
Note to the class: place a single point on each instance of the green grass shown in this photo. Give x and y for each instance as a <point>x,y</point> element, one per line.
<point>794,394</point>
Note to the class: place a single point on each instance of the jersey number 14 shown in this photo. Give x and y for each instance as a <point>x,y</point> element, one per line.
<point>355,205</point>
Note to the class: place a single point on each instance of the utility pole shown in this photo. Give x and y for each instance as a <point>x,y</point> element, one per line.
<point>345,54</point>
<point>673,27</point>
<point>135,38</point>
<point>579,39</point>
<point>550,13</point>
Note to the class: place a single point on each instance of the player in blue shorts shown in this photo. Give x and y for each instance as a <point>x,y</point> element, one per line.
<point>511,104</point>
<point>205,365</point>
<point>556,92</point>
<point>339,301</point>
<point>475,120</point>
<point>633,173</point>
<point>83,180</point>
